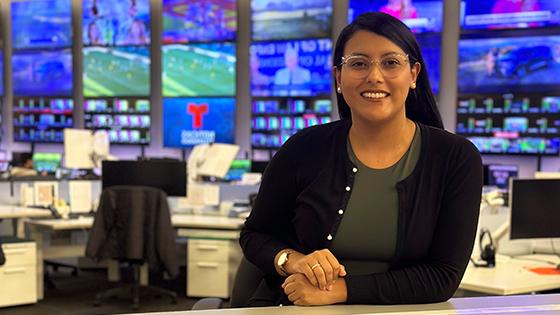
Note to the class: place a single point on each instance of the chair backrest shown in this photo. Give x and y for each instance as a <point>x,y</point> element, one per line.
<point>247,279</point>
<point>134,223</point>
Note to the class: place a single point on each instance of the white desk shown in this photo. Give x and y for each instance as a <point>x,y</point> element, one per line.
<point>188,225</point>
<point>16,214</point>
<point>510,276</point>
<point>505,305</point>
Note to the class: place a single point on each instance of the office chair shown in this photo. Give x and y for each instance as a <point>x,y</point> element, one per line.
<point>133,226</point>
<point>247,279</point>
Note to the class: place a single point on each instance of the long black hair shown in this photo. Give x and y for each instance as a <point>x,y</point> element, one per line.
<point>420,103</point>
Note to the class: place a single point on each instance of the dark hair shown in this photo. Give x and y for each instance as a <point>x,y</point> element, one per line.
<point>420,103</point>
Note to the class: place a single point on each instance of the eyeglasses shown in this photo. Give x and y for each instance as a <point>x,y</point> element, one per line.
<point>359,67</point>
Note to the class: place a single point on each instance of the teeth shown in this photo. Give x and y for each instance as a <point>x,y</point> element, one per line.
<point>374,95</point>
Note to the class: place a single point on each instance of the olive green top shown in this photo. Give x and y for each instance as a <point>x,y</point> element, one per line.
<point>366,238</point>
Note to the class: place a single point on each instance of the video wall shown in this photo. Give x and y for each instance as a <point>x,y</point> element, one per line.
<point>198,72</point>
<point>41,69</point>
<point>116,58</point>
<point>509,87</point>
<point>423,17</point>
<point>290,70</point>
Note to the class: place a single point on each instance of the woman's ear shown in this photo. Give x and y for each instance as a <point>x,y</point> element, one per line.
<point>415,71</point>
<point>337,76</point>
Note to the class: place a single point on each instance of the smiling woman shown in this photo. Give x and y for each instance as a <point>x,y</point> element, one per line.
<point>379,207</point>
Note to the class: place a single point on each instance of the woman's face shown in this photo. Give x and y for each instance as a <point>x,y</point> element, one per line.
<point>378,96</point>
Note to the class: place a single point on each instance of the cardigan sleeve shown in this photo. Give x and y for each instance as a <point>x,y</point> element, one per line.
<point>437,277</point>
<point>268,229</point>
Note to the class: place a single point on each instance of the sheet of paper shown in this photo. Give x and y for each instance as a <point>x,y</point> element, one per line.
<point>80,192</point>
<point>203,195</point>
<point>217,159</point>
<point>45,193</point>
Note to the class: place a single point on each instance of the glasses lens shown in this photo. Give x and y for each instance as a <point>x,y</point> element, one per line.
<point>360,67</point>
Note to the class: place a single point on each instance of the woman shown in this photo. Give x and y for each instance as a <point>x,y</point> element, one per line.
<point>380,207</point>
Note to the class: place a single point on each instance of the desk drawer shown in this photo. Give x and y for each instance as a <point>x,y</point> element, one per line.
<point>208,279</point>
<point>18,254</point>
<point>208,250</point>
<point>18,285</point>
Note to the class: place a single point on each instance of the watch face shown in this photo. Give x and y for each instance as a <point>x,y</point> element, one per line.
<point>282,259</point>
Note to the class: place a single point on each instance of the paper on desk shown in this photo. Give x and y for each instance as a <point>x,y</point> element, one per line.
<point>80,196</point>
<point>545,270</point>
<point>201,195</point>
<point>217,159</point>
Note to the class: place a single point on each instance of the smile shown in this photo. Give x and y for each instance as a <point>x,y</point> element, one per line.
<point>375,95</point>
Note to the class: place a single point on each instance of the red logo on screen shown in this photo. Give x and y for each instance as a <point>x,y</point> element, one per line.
<point>197,111</point>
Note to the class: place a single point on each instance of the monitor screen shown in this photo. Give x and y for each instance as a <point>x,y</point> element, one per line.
<point>117,71</point>
<point>430,47</point>
<point>42,73</point>
<point>167,175</point>
<point>199,21</point>
<point>191,121</point>
<point>199,70</point>
<point>534,208</point>
<point>41,119</point>
<point>41,23</point>
<point>46,162</point>
<point>127,120</point>
<point>237,169</point>
<point>511,124</point>
<point>108,22</point>
<point>509,14</point>
<point>419,15</point>
<point>514,64</point>
<point>291,68</point>
<point>280,19</point>
<point>498,175</point>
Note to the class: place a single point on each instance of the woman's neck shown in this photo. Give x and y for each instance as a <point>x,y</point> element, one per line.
<point>381,145</point>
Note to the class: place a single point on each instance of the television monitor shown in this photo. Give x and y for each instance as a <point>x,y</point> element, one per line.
<point>509,64</point>
<point>187,21</point>
<point>42,73</point>
<point>498,175</point>
<point>111,23</point>
<point>420,15</point>
<point>46,162</point>
<point>191,121</point>
<point>511,124</point>
<point>199,70</point>
<point>280,19</point>
<point>430,47</point>
<point>291,68</point>
<point>237,169</point>
<point>41,119</point>
<point>127,120</point>
<point>508,14</point>
<point>534,208</point>
<point>116,71</point>
<point>167,175</point>
<point>20,158</point>
<point>41,23</point>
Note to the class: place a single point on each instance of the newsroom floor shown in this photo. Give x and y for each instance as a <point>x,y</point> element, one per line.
<point>75,295</point>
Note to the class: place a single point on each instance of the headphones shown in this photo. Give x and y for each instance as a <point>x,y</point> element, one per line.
<point>488,252</point>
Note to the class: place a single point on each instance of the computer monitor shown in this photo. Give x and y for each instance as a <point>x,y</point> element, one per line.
<point>498,175</point>
<point>535,210</point>
<point>19,158</point>
<point>46,162</point>
<point>169,176</point>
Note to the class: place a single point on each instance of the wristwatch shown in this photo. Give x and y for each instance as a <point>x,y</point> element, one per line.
<point>282,260</point>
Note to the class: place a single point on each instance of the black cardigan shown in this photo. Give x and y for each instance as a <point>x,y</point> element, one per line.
<point>310,179</point>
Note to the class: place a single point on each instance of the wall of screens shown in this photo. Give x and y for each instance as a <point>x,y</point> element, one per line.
<point>290,70</point>
<point>41,69</point>
<point>199,71</point>
<point>509,60</point>
<point>116,58</point>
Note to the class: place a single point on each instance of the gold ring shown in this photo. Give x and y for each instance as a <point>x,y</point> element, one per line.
<point>315,266</point>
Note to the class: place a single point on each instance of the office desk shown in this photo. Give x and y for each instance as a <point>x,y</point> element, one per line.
<point>16,214</point>
<point>42,232</point>
<point>510,276</point>
<point>521,304</point>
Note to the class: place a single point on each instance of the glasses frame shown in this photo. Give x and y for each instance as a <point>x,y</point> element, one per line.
<point>374,61</point>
